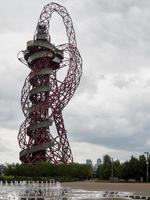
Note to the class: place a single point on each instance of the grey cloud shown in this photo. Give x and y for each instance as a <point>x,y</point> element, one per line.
<point>119,38</point>
<point>3,147</point>
<point>122,81</point>
<point>118,123</point>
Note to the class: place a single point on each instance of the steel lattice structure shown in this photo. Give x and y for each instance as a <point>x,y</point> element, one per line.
<point>43,95</point>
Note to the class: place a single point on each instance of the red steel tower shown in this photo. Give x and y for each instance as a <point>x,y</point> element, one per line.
<point>44,95</point>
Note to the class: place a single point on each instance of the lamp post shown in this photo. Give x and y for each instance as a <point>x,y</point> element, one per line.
<point>147,157</point>
<point>112,167</point>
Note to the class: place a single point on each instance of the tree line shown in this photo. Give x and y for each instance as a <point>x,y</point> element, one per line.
<point>133,169</point>
<point>45,171</point>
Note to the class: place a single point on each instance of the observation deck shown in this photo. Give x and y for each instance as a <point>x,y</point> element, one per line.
<point>37,49</point>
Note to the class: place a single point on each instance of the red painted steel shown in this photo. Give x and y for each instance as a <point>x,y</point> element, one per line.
<point>44,96</point>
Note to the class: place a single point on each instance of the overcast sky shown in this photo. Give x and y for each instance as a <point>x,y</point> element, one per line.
<point>110,112</point>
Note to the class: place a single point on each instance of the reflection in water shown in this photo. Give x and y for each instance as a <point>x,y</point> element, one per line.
<point>53,190</point>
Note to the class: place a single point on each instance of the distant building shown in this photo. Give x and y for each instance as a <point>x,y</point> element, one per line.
<point>95,167</point>
<point>2,168</point>
<point>88,162</point>
<point>98,163</point>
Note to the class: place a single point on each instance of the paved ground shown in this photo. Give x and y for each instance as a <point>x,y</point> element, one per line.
<point>136,188</point>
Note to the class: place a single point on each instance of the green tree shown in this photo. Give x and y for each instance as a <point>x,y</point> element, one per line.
<point>116,168</point>
<point>104,170</point>
<point>142,167</point>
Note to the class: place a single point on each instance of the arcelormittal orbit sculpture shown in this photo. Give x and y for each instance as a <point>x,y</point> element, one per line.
<point>43,95</point>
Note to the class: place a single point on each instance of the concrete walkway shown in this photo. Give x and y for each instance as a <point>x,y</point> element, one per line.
<point>136,188</point>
